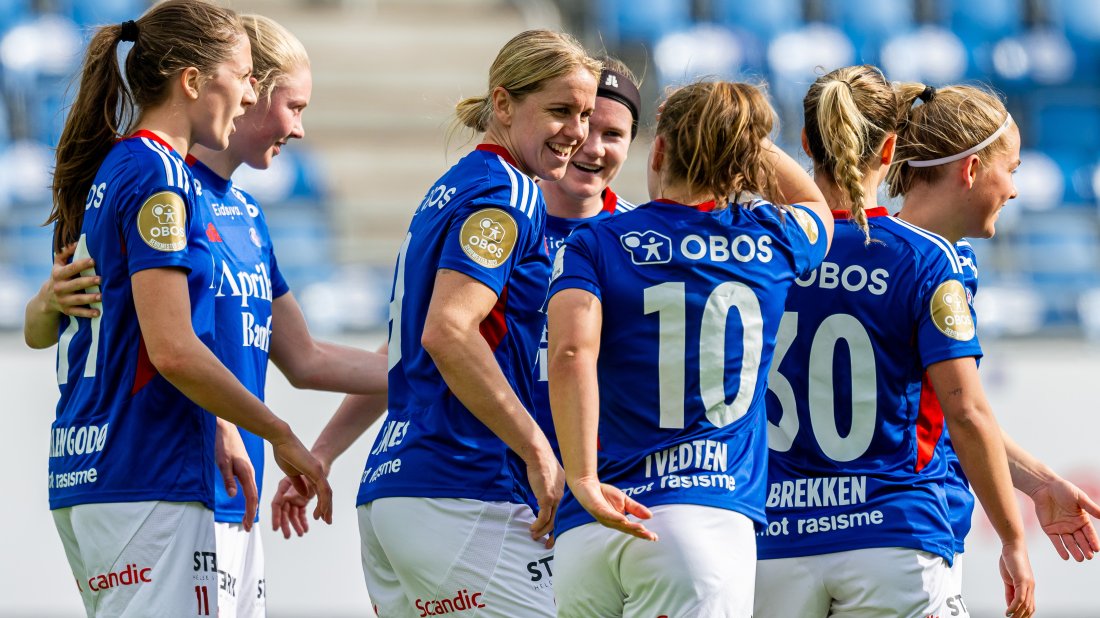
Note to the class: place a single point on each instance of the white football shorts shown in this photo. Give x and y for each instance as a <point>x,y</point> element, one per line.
<point>440,556</point>
<point>134,559</point>
<point>242,592</point>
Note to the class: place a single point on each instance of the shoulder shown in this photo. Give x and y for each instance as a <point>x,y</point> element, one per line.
<point>143,161</point>
<point>489,178</point>
<point>927,246</point>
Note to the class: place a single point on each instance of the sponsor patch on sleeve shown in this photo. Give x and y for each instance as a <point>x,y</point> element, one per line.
<point>162,222</point>
<point>950,311</point>
<point>489,236</point>
<point>559,263</point>
<point>808,224</point>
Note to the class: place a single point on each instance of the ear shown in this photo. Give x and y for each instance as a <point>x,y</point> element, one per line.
<point>970,169</point>
<point>189,81</point>
<point>889,148</point>
<point>657,154</point>
<point>806,144</point>
<point>503,106</point>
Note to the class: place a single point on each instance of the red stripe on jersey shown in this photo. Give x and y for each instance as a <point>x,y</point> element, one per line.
<point>494,328</point>
<point>145,370</point>
<point>610,200</point>
<point>190,159</point>
<point>929,424</point>
<point>499,150</point>
<point>877,211</point>
<point>152,136</point>
<point>703,207</point>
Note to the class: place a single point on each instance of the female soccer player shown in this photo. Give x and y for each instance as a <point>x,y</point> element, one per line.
<point>460,459</point>
<point>130,474</point>
<point>662,401</point>
<point>857,519</point>
<point>954,183</point>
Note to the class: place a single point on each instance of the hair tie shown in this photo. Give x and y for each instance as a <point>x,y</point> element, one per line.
<point>927,94</point>
<point>129,31</point>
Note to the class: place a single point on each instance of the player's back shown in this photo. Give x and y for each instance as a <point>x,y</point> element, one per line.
<point>853,438</point>
<point>691,301</point>
<point>123,432</point>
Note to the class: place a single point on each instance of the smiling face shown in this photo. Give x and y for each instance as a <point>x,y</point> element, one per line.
<point>992,187</point>
<point>596,163</point>
<point>543,129</point>
<point>267,126</point>
<point>223,97</point>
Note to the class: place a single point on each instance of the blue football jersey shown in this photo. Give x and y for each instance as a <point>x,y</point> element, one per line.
<point>960,500</point>
<point>246,281</point>
<point>557,230</point>
<point>485,219</point>
<point>854,428</point>
<point>123,433</point>
<point>692,301</point>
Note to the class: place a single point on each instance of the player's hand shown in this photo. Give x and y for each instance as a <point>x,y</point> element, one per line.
<point>610,506</point>
<point>65,292</point>
<point>547,481</point>
<point>305,474</point>
<point>234,465</point>
<point>288,510</point>
<point>1018,580</point>
<point>1063,511</point>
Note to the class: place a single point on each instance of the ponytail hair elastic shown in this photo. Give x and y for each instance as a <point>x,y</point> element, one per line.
<point>969,151</point>
<point>129,32</point>
<point>927,94</point>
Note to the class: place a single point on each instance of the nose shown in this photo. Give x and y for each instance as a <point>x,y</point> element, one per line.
<point>298,131</point>
<point>249,96</point>
<point>576,128</point>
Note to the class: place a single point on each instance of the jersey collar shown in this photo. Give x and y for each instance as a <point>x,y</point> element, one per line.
<point>150,135</point>
<point>877,211</point>
<point>500,151</point>
<point>610,200</point>
<point>707,206</point>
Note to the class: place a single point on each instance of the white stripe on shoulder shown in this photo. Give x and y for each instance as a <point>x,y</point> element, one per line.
<point>181,175</point>
<point>525,201</point>
<point>169,177</point>
<point>936,239</point>
<point>964,243</point>
<point>536,193</point>
<point>624,206</point>
<point>512,177</point>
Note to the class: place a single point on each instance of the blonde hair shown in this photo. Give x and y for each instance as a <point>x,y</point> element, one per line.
<point>275,52</point>
<point>951,120</point>
<point>848,114</point>
<point>522,67</point>
<point>170,37</point>
<point>714,133</point>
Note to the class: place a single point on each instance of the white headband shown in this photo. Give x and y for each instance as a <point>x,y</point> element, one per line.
<point>966,153</point>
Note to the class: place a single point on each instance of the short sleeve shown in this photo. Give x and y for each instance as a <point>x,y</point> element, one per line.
<point>575,264</point>
<point>486,240</point>
<point>946,321</point>
<point>155,222</point>
<point>806,233</point>
<point>279,285</point>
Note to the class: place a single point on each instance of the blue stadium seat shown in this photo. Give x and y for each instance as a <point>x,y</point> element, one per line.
<point>870,23</point>
<point>12,12</point>
<point>101,12</point>
<point>1059,253</point>
<point>984,21</point>
<point>642,21</point>
<point>762,19</point>
<point>701,51</point>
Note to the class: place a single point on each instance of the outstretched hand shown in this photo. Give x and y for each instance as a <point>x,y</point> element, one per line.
<point>1064,514</point>
<point>305,474</point>
<point>610,506</point>
<point>288,509</point>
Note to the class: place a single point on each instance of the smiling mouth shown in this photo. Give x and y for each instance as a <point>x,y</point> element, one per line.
<point>561,151</point>
<point>587,168</point>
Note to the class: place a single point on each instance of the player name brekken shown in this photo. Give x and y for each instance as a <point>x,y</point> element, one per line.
<point>815,492</point>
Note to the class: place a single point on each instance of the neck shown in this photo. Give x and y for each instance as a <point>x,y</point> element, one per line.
<point>558,204</point>
<point>681,193</point>
<point>493,136</point>
<point>221,162</point>
<point>837,197</point>
<point>927,207</point>
<point>168,124</point>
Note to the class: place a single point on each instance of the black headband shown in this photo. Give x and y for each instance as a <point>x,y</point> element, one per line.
<point>618,87</point>
<point>129,32</point>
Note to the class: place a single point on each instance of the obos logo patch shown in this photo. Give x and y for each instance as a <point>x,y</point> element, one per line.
<point>162,222</point>
<point>488,237</point>
<point>950,311</point>
<point>807,223</point>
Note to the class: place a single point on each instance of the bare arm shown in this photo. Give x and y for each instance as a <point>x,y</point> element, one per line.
<point>64,292</point>
<point>977,439</point>
<point>320,365</point>
<point>796,186</point>
<point>576,319</point>
<point>1062,508</point>
<point>164,315</point>
<point>453,339</point>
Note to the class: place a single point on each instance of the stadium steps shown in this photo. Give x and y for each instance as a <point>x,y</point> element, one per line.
<point>387,74</point>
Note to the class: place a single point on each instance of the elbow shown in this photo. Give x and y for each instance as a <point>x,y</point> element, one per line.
<point>439,338</point>
<point>971,419</point>
<point>170,359</point>
<point>36,342</point>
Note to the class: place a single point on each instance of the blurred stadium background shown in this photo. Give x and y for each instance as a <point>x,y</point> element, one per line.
<point>386,76</point>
